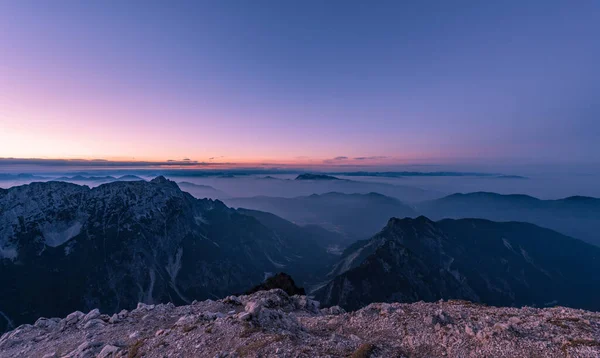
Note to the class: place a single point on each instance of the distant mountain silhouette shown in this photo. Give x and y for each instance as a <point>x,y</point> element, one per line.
<point>576,216</point>
<point>202,191</point>
<point>129,177</point>
<point>316,177</point>
<point>81,178</point>
<point>356,216</point>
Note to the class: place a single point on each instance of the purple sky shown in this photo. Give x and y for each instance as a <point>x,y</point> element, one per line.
<point>302,82</point>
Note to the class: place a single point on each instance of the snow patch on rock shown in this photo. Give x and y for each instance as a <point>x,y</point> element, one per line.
<point>8,252</point>
<point>55,238</point>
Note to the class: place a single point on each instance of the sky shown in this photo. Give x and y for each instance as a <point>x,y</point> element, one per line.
<point>301,82</point>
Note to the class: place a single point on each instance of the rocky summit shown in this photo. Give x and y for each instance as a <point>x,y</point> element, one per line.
<point>274,324</point>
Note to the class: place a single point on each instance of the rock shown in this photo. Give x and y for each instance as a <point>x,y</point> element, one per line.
<point>245,316</point>
<point>114,319</point>
<point>93,314</point>
<point>306,304</point>
<point>94,323</point>
<point>108,351</point>
<point>185,320</point>
<point>85,350</point>
<point>211,316</point>
<point>253,308</point>
<point>469,330</point>
<point>276,320</point>
<point>143,306</point>
<point>386,309</point>
<point>514,320</point>
<point>334,310</point>
<point>104,317</point>
<point>274,324</point>
<point>355,338</point>
<point>74,317</point>
<point>232,300</point>
<point>47,323</point>
<point>500,327</point>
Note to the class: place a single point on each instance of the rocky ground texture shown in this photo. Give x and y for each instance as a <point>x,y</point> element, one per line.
<point>273,324</point>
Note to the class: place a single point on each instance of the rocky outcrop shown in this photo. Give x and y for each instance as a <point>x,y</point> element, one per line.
<point>282,281</point>
<point>274,324</point>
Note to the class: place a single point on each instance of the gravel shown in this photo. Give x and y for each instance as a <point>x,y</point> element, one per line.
<point>273,324</point>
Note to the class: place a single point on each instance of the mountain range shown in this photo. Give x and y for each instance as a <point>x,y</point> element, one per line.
<point>355,216</point>
<point>500,264</point>
<point>66,247</point>
<point>575,216</point>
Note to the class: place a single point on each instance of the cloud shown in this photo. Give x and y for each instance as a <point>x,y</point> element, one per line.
<point>375,157</point>
<point>104,163</point>
<point>344,161</point>
<point>334,160</point>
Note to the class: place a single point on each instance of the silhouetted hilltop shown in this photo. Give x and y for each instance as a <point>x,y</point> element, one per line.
<point>308,176</point>
<point>282,281</point>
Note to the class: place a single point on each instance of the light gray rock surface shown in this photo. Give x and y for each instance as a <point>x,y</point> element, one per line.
<point>273,324</point>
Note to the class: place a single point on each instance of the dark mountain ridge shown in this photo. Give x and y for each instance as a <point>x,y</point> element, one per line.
<point>575,216</point>
<point>309,176</point>
<point>501,264</point>
<point>66,247</point>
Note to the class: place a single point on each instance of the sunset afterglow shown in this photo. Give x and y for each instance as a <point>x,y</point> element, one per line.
<point>234,83</point>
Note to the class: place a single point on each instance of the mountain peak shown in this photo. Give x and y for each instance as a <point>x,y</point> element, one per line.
<point>408,221</point>
<point>163,181</point>
<point>309,176</point>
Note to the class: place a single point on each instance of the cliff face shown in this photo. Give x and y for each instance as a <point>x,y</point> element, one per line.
<point>273,324</point>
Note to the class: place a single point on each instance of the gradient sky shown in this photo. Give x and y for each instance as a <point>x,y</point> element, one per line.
<point>301,81</point>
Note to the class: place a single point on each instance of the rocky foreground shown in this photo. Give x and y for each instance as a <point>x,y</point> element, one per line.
<point>273,324</point>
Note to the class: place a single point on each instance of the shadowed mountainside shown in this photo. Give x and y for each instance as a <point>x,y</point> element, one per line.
<point>502,264</point>
<point>65,247</point>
